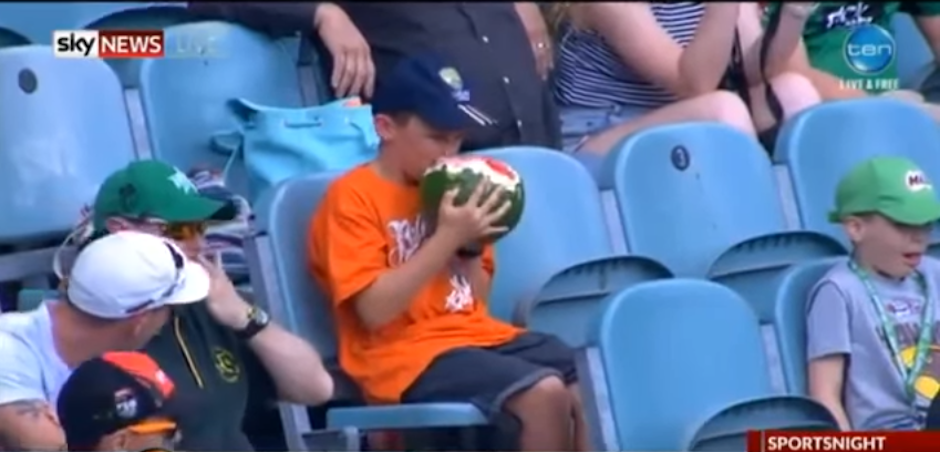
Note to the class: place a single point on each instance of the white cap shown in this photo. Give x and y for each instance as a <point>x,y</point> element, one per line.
<point>127,272</point>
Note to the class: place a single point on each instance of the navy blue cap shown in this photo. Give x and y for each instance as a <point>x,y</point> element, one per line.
<point>433,90</point>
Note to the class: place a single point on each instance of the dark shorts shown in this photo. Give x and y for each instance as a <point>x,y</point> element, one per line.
<point>487,377</point>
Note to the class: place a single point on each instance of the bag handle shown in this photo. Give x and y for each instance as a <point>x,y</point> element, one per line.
<point>231,142</point>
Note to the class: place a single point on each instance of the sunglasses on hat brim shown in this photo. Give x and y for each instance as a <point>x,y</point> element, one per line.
<point>181,231</point>
<point>153,426</point>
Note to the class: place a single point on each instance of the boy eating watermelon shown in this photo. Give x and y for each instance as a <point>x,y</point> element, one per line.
<point>410,310</point>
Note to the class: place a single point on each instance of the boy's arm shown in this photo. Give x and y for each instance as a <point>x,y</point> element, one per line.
<point>348,242</point>
<point>828,345</point>
<point>479,272</point>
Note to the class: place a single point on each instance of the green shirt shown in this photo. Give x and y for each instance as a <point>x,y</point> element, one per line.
<point>217,378</point>
<point>829,27</point>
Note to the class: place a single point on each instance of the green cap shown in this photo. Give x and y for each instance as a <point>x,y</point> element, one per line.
<point>153,189</point>
<point>891,186</point>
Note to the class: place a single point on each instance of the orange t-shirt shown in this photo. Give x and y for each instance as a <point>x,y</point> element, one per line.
<point>364,227</point>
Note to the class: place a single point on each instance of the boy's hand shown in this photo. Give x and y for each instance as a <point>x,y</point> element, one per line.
<point>475,219</point>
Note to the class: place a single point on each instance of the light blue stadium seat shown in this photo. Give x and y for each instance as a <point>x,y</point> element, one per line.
<point>35,22</point>
<point>915,59</point>
<point>727,430</point>
<point>279,275</point>
<point>664,358</point>
<point>789,303</point>
<point>755,267</point>
<point>562,225</point>
<point>820,145</point>
<point>567,305</point>
<point>684,193</point>
<point>136,16</point>
<point>185,99</point>
<point>63,129</point>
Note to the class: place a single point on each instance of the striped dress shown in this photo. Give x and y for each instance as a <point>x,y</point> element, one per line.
<point>589,73</point>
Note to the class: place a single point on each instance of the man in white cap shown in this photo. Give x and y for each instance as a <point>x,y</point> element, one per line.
<point>118,297</point>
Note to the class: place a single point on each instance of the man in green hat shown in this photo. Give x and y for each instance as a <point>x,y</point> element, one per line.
<point>219,349</point>
<point>870,320</point>
<point>151,195</point>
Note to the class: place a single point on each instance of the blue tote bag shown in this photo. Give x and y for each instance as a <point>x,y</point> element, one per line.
<point>279,143</point>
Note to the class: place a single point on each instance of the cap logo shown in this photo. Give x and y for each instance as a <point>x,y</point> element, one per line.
<point>916,181</point>
<point>450,76</point>
<point>183,183</point>
<point>125,403</point>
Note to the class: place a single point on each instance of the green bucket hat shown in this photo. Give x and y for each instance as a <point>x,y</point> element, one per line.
<point>153,189</point>
<point>891,186</point>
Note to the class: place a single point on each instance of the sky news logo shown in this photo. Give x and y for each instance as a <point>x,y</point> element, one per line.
<point>108,43</point>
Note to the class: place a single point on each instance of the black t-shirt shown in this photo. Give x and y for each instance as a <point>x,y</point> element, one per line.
<point>216,376</point>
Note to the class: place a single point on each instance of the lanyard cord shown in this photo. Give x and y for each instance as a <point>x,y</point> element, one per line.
<point>924,339</point>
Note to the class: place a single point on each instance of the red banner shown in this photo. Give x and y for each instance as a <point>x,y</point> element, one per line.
<point>787,441</point>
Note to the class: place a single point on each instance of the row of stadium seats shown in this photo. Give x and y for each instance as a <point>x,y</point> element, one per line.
<point>698,200</point>
<point>654,351</point>
<point>171,110</point>
<point>689,200</point>
<point>680,364</point>
<point>65,124</point>
<point>686,193</point>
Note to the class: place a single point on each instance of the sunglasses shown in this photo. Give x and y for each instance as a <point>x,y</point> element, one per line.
<point>176,231</point>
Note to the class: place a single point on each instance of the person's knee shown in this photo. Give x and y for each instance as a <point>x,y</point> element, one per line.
<point>795,92</point>
<point>726,107</point>
<point>549,393</point>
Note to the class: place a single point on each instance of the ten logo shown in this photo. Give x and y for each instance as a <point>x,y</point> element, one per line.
<point>869,49</point>
<point>108,43</point>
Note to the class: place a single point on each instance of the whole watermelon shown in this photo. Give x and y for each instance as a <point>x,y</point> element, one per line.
<point>464,173</point>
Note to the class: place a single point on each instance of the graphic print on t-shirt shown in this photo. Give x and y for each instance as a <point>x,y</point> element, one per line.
<point>407,237</point>
<point>907,313</point>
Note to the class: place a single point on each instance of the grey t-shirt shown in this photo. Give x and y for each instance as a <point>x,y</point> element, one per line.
<point>842,319</point>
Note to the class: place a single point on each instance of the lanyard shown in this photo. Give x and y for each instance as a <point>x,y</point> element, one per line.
<point>924,339</point>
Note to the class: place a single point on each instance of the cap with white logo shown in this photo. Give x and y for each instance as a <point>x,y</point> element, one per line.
<point>127,272</point>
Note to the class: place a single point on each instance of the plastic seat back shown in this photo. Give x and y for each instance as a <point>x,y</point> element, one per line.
<point>687,192</point>
<point>791,295</point>
<point>727,430</point>
<point>648,343</point>
<point>282,218</point>
<point>185,99</point>
<point>755,267</point>
<point>35,22</point>
<point>141,16</point>
<point>63,130</point>
<point>567,305</point>
<point>562,224</point>
<point>822,144</point>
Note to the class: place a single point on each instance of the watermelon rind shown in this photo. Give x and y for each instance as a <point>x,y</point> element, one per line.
<point>464,173</point>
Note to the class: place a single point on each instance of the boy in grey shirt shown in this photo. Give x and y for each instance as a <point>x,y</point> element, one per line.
<point>871,325</point>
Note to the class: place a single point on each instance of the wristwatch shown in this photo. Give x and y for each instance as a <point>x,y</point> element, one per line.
<point>258,319</point>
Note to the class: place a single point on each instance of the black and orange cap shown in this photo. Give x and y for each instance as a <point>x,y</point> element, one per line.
<point>115,391</point>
